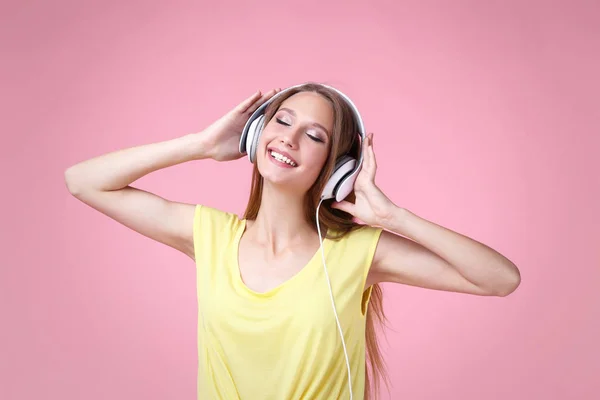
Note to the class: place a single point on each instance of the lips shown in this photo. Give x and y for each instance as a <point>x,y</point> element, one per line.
<point>283,153</point>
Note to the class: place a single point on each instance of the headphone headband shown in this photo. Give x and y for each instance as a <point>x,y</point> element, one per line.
<point>341,182</point>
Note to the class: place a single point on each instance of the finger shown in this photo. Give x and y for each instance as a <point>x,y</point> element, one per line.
<point>372,154</point>
<point>243,106</point>
<point>265,97</point>
<point>366,153</point>
<point>344,206</point>
<point>272,93</point>
<point>373,165</point>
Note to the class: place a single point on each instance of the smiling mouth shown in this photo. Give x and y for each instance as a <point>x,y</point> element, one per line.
<point>281,158</point>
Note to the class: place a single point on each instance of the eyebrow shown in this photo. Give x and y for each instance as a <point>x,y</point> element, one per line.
<point>314,123</point>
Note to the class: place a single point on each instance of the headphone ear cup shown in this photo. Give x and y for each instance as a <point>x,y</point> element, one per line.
<point>253,136</point>
<point>343,167</point>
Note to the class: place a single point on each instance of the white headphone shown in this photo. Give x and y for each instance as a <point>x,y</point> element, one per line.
<point>346,168</point>
<point>339,185</point>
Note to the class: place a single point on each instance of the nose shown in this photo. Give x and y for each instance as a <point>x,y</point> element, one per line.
<point>290,139</point>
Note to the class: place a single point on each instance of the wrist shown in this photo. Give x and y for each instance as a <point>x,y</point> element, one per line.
<point>395,219</point>
<point>197,146</point>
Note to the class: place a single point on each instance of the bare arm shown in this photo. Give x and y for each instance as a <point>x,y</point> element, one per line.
<point>414,251</point>
<point>104,183</point>
<point>434,257</point>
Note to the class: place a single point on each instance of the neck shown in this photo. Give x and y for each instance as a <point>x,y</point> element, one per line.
<point>281,221</point>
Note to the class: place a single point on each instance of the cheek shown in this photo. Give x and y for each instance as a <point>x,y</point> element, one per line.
<point>319,154</point>
<point>315,161</point>
<point>270,132</point>
<point>264,138</point>
<point>263,141</point>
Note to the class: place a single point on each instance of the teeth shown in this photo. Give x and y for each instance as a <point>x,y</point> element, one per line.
<point>281,157</point>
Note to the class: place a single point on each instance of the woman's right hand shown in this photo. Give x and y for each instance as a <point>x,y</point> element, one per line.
<point>105,182</point>
<point>223,135</point>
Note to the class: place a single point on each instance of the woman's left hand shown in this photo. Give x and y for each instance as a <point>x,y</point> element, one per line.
<point>372,207</point>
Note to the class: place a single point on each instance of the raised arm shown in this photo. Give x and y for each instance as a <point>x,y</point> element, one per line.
<point>104,182</point>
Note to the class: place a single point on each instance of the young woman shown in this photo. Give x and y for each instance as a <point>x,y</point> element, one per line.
<point>288,294</point>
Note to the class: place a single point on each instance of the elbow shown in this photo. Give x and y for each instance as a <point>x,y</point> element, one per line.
<point>71,181</point>
<point>510,282</point>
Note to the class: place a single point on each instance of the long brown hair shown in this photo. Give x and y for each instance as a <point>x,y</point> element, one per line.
<point>344,140</point>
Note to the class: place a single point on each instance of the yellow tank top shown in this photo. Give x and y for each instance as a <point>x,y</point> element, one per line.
<point>282,344</point>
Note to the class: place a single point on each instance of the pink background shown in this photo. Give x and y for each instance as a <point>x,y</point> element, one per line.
<point>486,119</point>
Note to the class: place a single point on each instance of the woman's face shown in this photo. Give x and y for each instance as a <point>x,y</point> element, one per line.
<point>294,145</point>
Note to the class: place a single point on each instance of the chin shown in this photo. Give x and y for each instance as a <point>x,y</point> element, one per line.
<point>278,179</point>
<point>283,182</point>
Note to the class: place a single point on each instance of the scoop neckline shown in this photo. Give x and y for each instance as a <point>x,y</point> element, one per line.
<point>274,290</point>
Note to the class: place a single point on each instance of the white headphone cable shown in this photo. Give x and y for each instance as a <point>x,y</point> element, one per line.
<point>332,301</point>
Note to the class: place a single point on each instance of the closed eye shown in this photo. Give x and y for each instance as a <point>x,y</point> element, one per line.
<point>315,138</point>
